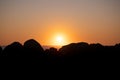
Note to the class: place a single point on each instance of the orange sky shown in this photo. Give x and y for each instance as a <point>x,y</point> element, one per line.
<point>92,21</point>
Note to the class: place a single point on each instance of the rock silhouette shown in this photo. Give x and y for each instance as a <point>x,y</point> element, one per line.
<point>33,48</point>
<point>14,49</point>
<point>0,50</point>
<point>83,49</point>
<point>75,53</point>
<point>51,51</point>
<point>74,49</point>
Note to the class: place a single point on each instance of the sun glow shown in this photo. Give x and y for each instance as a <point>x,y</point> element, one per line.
<point>59,40</point>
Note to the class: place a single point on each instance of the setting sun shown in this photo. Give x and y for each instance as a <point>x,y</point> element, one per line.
<point>59,39</point>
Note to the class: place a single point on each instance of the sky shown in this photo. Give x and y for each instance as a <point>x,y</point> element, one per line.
<point>92,21</point>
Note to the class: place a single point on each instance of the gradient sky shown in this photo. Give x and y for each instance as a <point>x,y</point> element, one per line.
<point>92,21</point>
